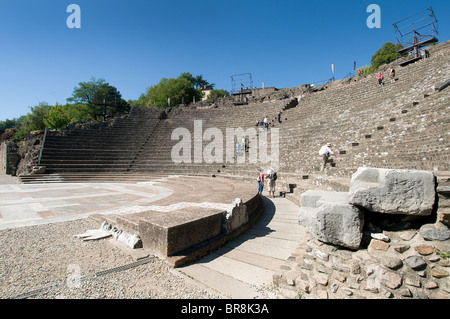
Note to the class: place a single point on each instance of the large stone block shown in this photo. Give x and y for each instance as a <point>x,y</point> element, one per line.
<point>167,233</point>
<point>393,191</point>
<point>330,218</point>
<point>235,216</point>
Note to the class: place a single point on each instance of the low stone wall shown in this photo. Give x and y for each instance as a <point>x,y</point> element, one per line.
<point>406,267</point>
<point>9,159</point>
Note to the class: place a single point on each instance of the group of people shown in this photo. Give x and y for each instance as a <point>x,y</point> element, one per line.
<point>381,78</point>
<point>265,121</point>
<point>271,178</point>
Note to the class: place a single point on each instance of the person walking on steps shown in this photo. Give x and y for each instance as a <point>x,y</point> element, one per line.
<point>326,152</point>
<point>380,79</point>
<point>392,73</point>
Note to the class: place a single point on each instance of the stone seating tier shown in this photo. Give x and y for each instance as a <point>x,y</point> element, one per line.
<point>399,125</point>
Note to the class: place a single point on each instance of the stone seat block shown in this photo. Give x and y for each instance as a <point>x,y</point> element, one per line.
<point>167,233</point>
<point>331,219</point>
<point>393,191</point>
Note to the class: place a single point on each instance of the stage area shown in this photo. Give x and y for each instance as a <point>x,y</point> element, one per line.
<point>33,204</point>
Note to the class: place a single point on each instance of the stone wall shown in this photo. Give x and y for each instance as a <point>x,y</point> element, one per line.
<point>2,158</point>
<point>406,267</point>
<point>9,159</point>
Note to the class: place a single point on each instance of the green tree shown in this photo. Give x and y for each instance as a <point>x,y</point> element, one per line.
<point>386,54</point>
<point>197,82</point>
<point>77,112</point>
<point>8,124</point>
<point>365,70</point>
<point>56,117</point>
<point>101,99</point>
<point>216,94</point>
<point>34,121</point>
<point>178,90</point>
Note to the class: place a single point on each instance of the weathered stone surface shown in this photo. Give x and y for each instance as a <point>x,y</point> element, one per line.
<point>236,216</point>
<point>436,231</point>
<point>391,262</point>
<point>439,273</point>
<point>378,245</point>
<point>391,279</point>
<point>392,191</point>
<point>167,233</point>
<point>424,249</point>
<point>415,262</point>
<point>380,236</point>
<point>329,218</point>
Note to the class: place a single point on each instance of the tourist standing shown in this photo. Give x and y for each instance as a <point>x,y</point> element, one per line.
<point>272,177</point>
<point>260,182</point>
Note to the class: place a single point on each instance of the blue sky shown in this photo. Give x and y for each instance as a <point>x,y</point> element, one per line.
<point>133,44</point>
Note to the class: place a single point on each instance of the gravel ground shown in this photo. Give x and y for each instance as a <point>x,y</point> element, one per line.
<point>41,256</point>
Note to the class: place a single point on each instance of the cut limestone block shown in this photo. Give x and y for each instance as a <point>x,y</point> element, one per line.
<point>393,191</point>
<point>330,218</point>
<point>167,233</point>
<point>235,216</point>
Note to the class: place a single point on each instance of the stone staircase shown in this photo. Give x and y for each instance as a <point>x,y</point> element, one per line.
<point>102,153</point>
<point>402,124</point>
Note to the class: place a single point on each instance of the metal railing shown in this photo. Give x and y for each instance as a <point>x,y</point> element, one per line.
<point>42,146</point>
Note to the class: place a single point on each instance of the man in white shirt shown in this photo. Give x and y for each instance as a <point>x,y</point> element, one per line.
<point>326,152</point>
<point>271,177</point>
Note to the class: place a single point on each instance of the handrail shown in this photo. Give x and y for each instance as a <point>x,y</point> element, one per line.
<point>42,146</point>
<point>443,85</point>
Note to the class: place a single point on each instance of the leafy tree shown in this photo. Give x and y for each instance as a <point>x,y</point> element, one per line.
<point>216,94</point>
<point>386,54</point>
<point>179,91</point>
<point>56,117</point>
<point>101,99</point>
<point>34,121</point>
<point>197,82</point>
<point>77,112</point>
<point>201,83</point>
<point>365,70</point>
<point>8,124</point>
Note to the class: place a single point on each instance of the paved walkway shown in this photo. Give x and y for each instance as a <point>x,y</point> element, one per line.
<point>241,268</point>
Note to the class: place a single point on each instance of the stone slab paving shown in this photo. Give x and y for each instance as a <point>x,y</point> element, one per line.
<point>245,265</point>
<point>33,204</point>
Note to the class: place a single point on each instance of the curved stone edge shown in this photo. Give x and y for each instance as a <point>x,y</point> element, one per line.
<point>255,208</point>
